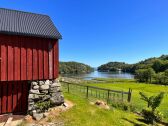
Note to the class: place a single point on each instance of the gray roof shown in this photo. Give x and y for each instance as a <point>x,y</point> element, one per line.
<point>27,24</point>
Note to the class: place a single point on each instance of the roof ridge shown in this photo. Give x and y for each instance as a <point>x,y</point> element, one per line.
<point>21,11</point>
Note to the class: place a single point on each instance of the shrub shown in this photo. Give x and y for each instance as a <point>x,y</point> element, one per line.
<point>124,106</point>
<point>152,117</point>
<point>43,105</point>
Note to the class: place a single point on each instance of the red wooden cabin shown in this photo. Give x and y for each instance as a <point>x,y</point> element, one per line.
<point>28,51</point>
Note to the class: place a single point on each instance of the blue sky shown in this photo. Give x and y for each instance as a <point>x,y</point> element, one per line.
<point>98,31</point>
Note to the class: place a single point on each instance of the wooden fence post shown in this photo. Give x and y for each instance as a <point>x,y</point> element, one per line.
<point>122,96</point>
<point>68,87</point>
<point>87,91</point>
<point>108,96</point>
<point>129,95</point>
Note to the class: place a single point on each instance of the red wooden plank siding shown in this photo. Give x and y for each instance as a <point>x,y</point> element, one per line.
<point>50,46</point>
<point>9,102</point>
<point>14,97</point>
<point>35,60</point>
<point>23,58</point>
<point>3,59</point>
<point>0,71</point>
<point>46,64</point>
<point>17,59</point>
<point>10,58</point>
<point>41,61</point>
<point>56,61</point>
<point>4,97</point>
<point>0,97</point>
<point>29,60</point>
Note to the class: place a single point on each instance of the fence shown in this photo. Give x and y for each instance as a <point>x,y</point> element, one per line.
<point>96,92</point>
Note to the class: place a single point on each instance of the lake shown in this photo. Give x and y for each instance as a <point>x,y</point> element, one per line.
<point>97,74</point>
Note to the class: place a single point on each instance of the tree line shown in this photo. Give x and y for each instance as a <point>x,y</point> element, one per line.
<point>74,68</point>
<point>152,70</point>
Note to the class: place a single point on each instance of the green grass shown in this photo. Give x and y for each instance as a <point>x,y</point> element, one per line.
<point>85,114</point>
<point>149,89</point>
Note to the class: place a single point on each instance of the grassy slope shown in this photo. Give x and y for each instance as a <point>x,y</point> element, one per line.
<point>85,114</point>
<point>149,89</point>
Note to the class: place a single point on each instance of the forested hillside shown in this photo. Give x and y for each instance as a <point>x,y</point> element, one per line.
<point>152,70</point>
<point>74,68</point>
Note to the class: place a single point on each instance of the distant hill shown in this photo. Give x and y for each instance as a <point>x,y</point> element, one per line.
<point>74,68</point>
<point>159,64</point>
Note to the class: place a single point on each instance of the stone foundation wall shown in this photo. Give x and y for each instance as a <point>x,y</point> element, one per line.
<point>44,94</point>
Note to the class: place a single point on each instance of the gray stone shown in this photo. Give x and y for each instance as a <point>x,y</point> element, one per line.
<point>55,94</point>
<point>46,114</point>
<point>55,85</point>
<point>41,83</point>
<point>34,112</point>
<point>50,82</point>
<point>31,96</point>
<point>44,91</point>
<point>34,83</point>
<point>36,87</point>
<point>31,107</point>
<point>65,104</point>
<point>31,103</point>
<point>46,97</point>
<point>35,97</point>
<point>34,91</point>
<point>56,81</point>
<point>44,87</point>
<point>55,89</point>
<point>57,100</point>
<point>38,116</point>
<point>47,82</point>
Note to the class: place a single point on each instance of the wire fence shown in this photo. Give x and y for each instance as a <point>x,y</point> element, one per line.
<point>92,92</point>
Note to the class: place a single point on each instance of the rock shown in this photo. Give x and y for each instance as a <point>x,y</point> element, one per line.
<point>34,91</point>
<point>65,104</point>
<point>55,94</point>
<point>57,100</point>
<point>50,82</point>
<point>55,85</point>
<point>28,119</point>
<point>55,90</point>
<point>46,97</point>
<point>36,87</point>
<point>44,87</point>
<point>34,112</point>
<point>31,96</point>
<point>34,83</point>
<point>46,114</point>
<point>31,107</point>
<point>41,83</point>
<point>47,82</point>
<point>44,91</point>
<point>56,81</point>
<point>38,116</point>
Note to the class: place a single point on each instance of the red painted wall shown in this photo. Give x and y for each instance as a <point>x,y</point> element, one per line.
<point>28,58</point>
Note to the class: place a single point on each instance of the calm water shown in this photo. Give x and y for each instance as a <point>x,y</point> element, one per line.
<point>97,74</point>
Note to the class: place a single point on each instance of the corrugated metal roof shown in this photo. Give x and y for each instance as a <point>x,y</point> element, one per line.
<point>28,24</point>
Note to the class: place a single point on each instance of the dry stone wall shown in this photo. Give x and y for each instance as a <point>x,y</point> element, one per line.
<point>42,95</point>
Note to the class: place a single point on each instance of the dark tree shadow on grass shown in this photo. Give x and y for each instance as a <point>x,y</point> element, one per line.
<point>134,123</point>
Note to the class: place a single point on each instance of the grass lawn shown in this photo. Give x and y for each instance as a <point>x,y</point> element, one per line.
<point>85,114</point>
<point>149,89</point>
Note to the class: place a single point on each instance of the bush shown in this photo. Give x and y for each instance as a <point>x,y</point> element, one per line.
<point>125,106</point>
<point>43,105</point>
<point>152,117</point>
